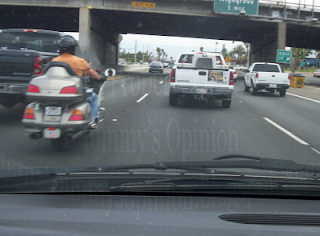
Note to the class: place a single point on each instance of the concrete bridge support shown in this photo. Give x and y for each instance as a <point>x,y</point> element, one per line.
<point>264,48</point>
<point>97,44</point>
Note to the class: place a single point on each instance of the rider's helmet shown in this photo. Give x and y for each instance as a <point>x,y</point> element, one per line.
<point>67,44</point>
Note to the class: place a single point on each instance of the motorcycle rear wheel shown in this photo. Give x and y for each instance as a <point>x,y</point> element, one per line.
<point>60,144</point>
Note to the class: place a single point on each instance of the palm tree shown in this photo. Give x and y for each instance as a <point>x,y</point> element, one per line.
<point>159,53</point>
<point>201,49</point>
<point>224,51</point>
<point>162,50</point>
<point>240,51</point>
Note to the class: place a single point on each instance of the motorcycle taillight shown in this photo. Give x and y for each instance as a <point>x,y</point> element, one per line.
<point>77,115</point>
<point>69,89</point>
<point>29,114</point>
<point>33,89</point>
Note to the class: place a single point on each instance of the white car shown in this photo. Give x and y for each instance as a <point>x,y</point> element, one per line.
<point>234,72</point>
<point>122,64</point>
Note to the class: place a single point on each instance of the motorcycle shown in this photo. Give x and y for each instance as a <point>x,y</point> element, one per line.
<point>58,110</point>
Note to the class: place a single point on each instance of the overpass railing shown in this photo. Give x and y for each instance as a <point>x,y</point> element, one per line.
<point>309,5</point>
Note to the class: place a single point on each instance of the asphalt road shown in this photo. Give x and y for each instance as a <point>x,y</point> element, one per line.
<point>141,127</point>
<point>310,80</point>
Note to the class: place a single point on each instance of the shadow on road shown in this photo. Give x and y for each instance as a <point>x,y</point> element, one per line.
<point>13,115</point>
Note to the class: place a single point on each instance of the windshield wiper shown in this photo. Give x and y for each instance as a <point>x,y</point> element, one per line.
<point>226,161</point>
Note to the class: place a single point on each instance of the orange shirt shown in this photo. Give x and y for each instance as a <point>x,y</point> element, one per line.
<point>78,64</point>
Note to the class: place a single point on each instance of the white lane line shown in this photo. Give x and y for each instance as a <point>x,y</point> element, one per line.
<point>143,97</point>
<point>310,99</point>
<point>286,131</point>
<point>114,120</point>
<point>161,82</point>
<point>315,150</point>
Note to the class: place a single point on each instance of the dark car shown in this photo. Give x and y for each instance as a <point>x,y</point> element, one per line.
<point>156,66</point>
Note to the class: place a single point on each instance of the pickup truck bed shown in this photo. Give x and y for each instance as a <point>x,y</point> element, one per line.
<point>201,81</point>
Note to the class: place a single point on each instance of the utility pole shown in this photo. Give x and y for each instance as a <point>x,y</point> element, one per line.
<point>143,54</point>
<point>135,52</point>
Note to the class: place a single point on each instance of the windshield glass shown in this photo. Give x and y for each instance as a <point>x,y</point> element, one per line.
<point>266,68</point>
<point>170,81</point>
<point>186,58</point>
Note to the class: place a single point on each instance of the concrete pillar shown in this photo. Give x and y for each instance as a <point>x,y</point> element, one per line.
<point>84,29</point>
<point>265,49</point>
<point>282,36</point>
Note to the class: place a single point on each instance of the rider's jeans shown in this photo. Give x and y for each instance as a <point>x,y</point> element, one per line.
<point>93,100</point>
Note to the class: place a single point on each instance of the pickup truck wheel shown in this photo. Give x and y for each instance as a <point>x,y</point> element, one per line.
<point>226,104</point>
<point>173,99</point>
<point>246,88</point>
<point>282,92</point>
<point>60,144</point>
<point>254,91</point>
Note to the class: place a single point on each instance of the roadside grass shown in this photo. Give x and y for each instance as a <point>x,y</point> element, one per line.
<point>307,69</point>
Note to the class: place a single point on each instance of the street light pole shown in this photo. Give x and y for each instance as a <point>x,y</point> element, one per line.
<point>135,52</point>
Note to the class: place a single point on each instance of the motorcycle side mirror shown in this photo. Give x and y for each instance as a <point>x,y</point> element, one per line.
<point>110,72</point>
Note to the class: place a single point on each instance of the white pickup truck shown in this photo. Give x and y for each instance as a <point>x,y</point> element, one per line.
<point>201,79</point>
<point>268,76</point>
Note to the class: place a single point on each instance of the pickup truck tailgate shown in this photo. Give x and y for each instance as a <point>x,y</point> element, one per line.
<point>202,77</point>
<point>271,77</point>
<point>15,65</point>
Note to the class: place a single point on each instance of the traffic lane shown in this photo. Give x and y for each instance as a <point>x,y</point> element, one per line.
<point>10,126</point>
<point>18,150</point>
<point>311,81</point>
<point>296,115</point>
<point>153,131</point>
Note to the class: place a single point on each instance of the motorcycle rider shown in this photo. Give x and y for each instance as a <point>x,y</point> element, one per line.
<point>67,47</point>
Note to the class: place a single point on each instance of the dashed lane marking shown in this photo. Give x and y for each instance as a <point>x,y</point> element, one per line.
<point>143,97</point>
<point>286,131</point>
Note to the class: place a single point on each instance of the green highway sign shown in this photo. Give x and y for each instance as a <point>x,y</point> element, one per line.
<point>250,7</point>
<point>284,56</point>
<point>302,63</point>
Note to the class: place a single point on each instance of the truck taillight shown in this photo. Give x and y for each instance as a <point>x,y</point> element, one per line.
<point>231,80</point>
<point>257,75</point>
<point>77,115</point>
<point>173,75</point>
<point>69,89</point>
<point>29,113</point>
<point>33,89</point>
<point>37,66</point>
<point>30,30</point>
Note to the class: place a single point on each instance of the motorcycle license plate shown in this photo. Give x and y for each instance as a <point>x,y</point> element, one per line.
<point>201,91</point>
<point>272,85</point>
<point>53,111</point>
<point>49,133</point>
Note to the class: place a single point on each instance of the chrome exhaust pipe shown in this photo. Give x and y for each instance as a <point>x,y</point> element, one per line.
<point>36,135</point>
<point>71,137</point>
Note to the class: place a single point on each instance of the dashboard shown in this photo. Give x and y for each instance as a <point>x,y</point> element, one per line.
<point>100,214</point>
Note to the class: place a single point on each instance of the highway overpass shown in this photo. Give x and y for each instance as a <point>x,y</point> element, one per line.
<point>275,26</point>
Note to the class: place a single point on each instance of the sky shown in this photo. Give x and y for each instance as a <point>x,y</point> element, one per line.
<point>171,45</point>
